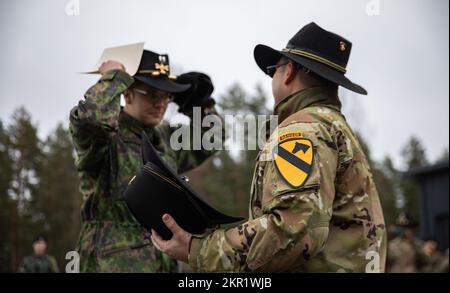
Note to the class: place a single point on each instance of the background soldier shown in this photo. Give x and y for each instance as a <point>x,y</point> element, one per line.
<point>107,139</point>
<point>403,254</point>
<point>431,260</point>
<point>39,261</point>
<point>314,206</point>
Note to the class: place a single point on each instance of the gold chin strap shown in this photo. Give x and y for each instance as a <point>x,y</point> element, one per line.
<point>316,58</point>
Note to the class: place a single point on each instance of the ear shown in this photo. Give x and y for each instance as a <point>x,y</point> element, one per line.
<point>128,96</point>
<point>290,74</point>
<point>145,148</point>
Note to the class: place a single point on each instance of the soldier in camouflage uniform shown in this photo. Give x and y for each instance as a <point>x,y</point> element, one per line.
<point>107,139</point>
<point>403,250</point>
<point>430,259</point>
<point>314,206</point>
<point>39,261</point>
<point>402,254</point>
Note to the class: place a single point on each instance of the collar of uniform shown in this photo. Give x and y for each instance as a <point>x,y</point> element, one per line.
<point>306,98</point>
<point>133,126</point>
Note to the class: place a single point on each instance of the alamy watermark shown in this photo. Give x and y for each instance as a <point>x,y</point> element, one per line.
<point>73,8</point>
<point>373,264</point>
<point>73,264</point>
<point>233,132</point>
<point>373,8</point>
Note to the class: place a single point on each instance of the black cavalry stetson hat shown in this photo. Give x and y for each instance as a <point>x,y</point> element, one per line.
<point>40,238</point>
<point>316,49</point>
<point>154,70</point>
<point>157,190</point>
<point>199,92</point>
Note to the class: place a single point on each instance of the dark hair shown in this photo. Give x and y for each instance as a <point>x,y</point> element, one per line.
<point>322,81</point>
<point>40,238</point>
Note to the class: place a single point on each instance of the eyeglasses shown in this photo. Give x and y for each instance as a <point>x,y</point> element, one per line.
<point>270,70</point>
<point>156,96</point>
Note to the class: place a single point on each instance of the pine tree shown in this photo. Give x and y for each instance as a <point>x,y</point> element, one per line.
<point>414,156</point>
<point>25,152</point>
<point>6,172</point>
<point>59,200</point>
<point>386,178</point>
<point>443,158</point>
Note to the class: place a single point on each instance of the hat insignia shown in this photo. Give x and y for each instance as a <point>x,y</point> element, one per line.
<point>342,45</point>
<point>163,68</point>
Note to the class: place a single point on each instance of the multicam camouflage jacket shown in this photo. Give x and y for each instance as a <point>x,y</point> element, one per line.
<point>108,147</point>
<point>314,206</point>
<point>38,264</point>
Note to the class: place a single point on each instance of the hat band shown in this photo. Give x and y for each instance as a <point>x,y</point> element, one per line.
<point>316,58</point>
<point>156,73</point>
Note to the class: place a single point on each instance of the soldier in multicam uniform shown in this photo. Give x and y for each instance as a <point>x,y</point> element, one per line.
<point>431,260</point>
<point>409,254</point>
<point>314,206</point>
<point>39,261</point>
<point>403,250</point>
<point>107,139</point>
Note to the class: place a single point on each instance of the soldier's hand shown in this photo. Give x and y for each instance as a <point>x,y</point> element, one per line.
<point>178,246</point>
<point>110,65</point>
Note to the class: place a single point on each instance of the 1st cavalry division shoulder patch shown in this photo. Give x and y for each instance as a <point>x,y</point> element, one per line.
<point>293,158</point>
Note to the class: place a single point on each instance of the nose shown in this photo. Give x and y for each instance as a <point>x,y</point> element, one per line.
<point>160,104</point>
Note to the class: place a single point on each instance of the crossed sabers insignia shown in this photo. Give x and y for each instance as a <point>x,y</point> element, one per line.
<point>163,68</point>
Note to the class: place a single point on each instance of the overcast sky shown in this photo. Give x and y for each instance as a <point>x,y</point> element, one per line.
<point>400,54</point>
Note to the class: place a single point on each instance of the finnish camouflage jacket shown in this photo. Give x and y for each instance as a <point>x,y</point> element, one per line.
<point>108,148</point>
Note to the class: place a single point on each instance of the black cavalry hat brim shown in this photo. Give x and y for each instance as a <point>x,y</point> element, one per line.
<point>157,189</point>
<point>267,56</point>
<point>163,84</point>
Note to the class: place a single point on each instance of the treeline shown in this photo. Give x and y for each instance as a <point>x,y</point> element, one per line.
<point>38,191</point>
<point>39,184</point>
